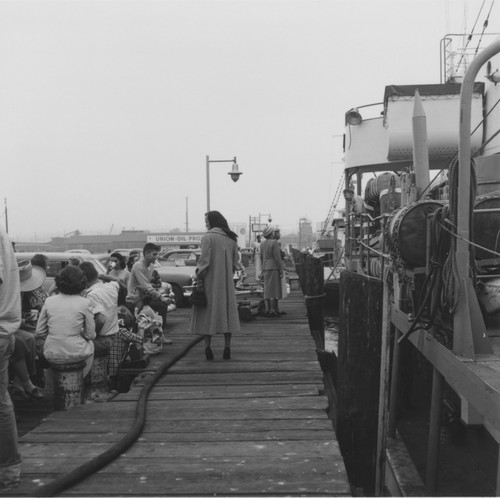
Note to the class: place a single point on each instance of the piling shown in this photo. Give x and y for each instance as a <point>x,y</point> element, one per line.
<point>99,386</point>
<point>68,384</point>
<point>358,376</point>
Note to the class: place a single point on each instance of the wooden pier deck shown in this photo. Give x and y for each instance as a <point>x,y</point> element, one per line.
<point>255,425</point>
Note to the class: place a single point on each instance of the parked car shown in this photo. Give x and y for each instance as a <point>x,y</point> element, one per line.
<point>103,258</point>
<point>176,257</point>
<point>59,260</point>
<point>79,251</point>
<point>177,267</point>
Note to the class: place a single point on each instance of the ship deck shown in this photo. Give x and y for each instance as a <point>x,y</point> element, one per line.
<point>255,425</point>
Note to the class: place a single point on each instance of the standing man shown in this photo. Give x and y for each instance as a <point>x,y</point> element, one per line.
<point>141,276</point>
<point>104,299</point>
<point>10,320</point>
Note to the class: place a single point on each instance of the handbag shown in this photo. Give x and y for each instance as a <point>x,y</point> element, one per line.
<point>198,296</point>
<point>135,357</point>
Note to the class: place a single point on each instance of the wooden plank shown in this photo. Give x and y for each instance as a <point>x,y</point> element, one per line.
<point>244,404</point>
<point>275,449</point>
<point>244,476</point>
<point>128,465</point>
<point>221,392</point>
<point>189,426</point>
<point>213,367</point>
<point>242,378</point>
<point>168,437</point>
<point>125,411</point>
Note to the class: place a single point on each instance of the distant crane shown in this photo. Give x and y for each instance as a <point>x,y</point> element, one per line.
<point>333,207</point>
<point>111,229</point>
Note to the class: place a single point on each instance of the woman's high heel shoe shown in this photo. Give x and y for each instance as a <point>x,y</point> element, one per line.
<point>227,353</point>
<point>208,353</point>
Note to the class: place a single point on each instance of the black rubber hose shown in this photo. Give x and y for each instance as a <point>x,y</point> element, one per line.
<point>100,461</point>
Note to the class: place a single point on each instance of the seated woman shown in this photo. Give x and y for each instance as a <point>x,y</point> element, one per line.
<point>117,271</point>
<point>22,363</point>
<point>35,298</point>
<point>66,323</point>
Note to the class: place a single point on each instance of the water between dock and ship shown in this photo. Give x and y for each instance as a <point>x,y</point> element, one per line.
<point>468,455</point>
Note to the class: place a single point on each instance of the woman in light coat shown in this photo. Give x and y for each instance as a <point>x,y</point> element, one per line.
<point>272,271</point>
<point>66,323</point>
<point>216,266</point>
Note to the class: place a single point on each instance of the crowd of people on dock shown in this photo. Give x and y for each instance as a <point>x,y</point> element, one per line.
<point>84,314</point>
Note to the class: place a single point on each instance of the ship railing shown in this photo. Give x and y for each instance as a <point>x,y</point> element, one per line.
<point>457,50</point>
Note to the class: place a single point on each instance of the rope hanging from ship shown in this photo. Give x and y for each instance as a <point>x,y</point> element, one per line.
<point>471,34</point>
<point>91,466</point>
<point>440,289</point>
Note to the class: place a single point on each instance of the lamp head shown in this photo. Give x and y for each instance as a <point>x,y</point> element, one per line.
<point>353,117</point>
<point>235,173</point>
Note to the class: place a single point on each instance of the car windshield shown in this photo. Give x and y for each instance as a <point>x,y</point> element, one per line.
<point>178,259</point>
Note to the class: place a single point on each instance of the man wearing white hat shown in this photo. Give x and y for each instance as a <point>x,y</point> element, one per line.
<point>10,320</point>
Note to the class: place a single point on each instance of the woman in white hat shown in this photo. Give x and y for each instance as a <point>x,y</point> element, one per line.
<point>272,271</point>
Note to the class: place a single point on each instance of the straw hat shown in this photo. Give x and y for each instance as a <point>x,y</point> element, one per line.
<point>31,277</point>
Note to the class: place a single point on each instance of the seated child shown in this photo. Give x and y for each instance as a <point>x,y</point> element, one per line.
<point>127,343</point>
<point>149,323</point>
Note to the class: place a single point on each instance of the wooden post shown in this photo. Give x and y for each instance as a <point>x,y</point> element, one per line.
<point>434,430</point>
<point>99,386</point>
<point>314,295</point>
<point>385,352</point>
<point>358,376</point>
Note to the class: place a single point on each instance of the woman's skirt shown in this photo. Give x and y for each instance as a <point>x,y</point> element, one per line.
<point>25,349</point>
<point>272,284</point>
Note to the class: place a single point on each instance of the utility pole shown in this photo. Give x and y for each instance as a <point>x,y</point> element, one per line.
<point>187,222</point>
<point>6,216</point>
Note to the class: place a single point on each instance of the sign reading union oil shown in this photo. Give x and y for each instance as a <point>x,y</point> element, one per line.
<point>176,238</point>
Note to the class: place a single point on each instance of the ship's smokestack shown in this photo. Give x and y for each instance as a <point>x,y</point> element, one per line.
<point>420,146</point>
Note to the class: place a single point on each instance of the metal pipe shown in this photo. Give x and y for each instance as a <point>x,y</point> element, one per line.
<point>434,430</point>
<point>208,185</point>
<point>393,399</point>
<point>420,145</point>
<point>487,210</point>
<point>464,154</point>
<point>469,338</point>
<point>498,474</point>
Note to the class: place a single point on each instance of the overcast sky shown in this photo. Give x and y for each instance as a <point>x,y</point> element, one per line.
<point>108,109</point>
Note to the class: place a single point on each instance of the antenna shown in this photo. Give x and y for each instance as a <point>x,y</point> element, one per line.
<point>6,216</point>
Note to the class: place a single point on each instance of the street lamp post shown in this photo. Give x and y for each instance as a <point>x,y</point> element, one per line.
<point>301,225</point>
<point>235,174</point>
<point>269,217</point>
<point>255,219</point>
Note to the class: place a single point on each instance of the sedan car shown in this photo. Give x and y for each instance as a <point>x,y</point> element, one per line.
<point>59,260</point>
<point>178,267</point>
